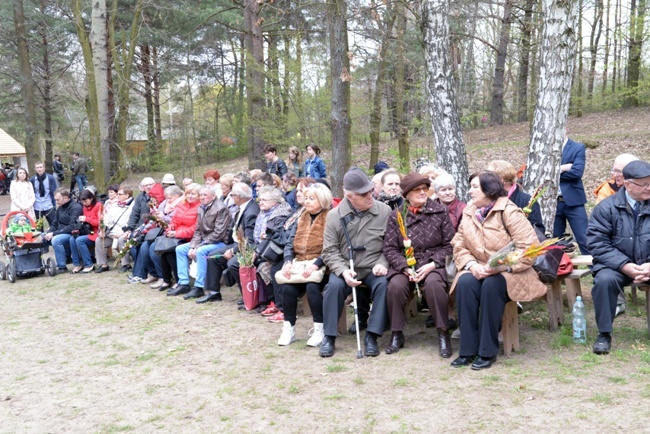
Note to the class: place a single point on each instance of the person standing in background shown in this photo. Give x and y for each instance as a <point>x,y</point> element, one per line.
<point>571,197</point>
<point>79,171</point>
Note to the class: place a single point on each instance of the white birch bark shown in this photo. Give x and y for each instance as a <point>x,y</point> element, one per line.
<point>99,44</point>
<point>557,62</point>
<point>447,132</point>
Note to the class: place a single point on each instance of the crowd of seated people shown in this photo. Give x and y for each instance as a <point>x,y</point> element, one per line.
<point>397,231</point>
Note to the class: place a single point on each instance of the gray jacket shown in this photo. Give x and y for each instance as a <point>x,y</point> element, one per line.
<point>212,224</point>
<point>367,231</point>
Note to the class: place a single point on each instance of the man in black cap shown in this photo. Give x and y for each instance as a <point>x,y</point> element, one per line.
<point>618,237</point>
<point>365,220</point>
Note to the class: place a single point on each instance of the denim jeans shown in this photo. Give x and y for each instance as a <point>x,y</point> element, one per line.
<point>61,245</point>
<point>145,263</point>
<point>80,248</point>
<point>182,263</point>
<point>80,181</point>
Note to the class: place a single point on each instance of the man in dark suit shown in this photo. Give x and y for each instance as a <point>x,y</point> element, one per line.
<point>571,196</point>
<point>226,260</point>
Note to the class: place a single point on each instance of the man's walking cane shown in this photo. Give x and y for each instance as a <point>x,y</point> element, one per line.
<point>351,250</point>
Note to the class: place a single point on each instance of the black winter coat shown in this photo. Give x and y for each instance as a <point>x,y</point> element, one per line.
<point>613,236</point>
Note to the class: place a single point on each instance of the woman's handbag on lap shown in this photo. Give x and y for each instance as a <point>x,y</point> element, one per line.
<point>297,268</point>
<point>166,244</point>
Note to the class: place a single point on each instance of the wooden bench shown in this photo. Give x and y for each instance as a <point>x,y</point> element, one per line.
<point>572,283</point>
<point>574,289</point>
<point>510,328</point>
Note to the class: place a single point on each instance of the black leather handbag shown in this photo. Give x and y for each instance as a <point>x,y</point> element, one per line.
<point>166,245</point>
<point>270,251</point>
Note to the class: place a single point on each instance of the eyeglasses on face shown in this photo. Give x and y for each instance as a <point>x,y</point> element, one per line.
<point>638,185</point>
<point>422,189</point>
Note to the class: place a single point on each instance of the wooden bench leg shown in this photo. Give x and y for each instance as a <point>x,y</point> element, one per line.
<point>573,289</point>
<point>633,291</point>
<point>510,329</point>
<point>555,309</point>
<point>412,307</point>
<point>343,322</point>
<point>306,310</point>
<point>646,289</point>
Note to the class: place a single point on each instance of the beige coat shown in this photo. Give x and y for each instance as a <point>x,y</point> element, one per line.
<point>477,242</point>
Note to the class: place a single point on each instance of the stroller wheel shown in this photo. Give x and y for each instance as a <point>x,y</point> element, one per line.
<point>51,267</point>
<point>3,271</point>
<point>11,272</point>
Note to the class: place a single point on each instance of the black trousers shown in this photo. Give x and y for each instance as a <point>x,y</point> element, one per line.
<point>215,268</point>
<point>169,268</point>
<point>335,293</point>
<point>480,305</point>
<point>49,215</point>
<point>291,294</point>
<point>608,284</point>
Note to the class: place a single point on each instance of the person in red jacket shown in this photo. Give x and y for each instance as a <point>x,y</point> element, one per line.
<point>81,244</point>
<point>182,227</point>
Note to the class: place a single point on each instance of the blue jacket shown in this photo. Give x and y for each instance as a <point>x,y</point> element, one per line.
<point>315,168</point>
<point>573,191</point>
<point>52,183</point>
<point>614,238</point>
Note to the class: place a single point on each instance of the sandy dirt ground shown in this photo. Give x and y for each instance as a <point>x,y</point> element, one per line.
<point>93,354</point>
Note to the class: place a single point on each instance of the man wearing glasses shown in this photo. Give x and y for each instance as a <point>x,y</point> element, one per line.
<point>365,220</point>
<point>618,237</point>
<point>605,190</point>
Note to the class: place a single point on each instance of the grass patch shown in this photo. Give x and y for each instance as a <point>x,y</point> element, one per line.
<point>601,398</point>
<point>117,428</point>
<point>337,367</point>
<point>359,380</point>
<point>617,380</point>
<point>145,357</point>
<point>401,382</point>
<point>334,397</point>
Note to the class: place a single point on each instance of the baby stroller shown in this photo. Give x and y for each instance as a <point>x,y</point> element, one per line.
<point>23,249</point>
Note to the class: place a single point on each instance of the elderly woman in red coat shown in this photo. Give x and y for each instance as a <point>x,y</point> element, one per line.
<point>428,232</point>
<point>80,245</point>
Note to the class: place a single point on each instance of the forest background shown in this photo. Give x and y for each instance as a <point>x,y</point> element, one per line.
<point>154,85</point>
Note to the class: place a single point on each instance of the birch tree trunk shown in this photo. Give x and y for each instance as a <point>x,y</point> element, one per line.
<point>27,86</point>
<point>99,45</point>
<point>557,62</point>
<point>447,133</point>
<point>337,11</point>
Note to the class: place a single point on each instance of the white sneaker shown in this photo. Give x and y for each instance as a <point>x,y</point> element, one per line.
<point>456,334</point>
<point>288,334</point>
<point>134,279</point>
<point>316,335</point>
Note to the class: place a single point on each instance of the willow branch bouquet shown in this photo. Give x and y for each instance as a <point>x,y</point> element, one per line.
<point>409,252</point>
<point>539,192</point>
<point>130,243</point>
<point>510,255</point>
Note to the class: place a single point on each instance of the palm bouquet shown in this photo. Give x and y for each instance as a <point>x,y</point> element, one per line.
<point>409,252</point>
<point>510,255</point>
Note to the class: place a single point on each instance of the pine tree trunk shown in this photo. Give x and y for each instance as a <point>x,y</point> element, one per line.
<point>448,136</point>
<point>340,97</point>
<point>254,84</point>
<point>594,39</point>
<point>156,94</point>
<point>524,63</point>
<point>557,60</point>
<point>378,96</point>
<point>99,44</point>
<point>400,66</point>
<point>47,88</point>
<point>27,85</point>
<point>607,45</point>
<point>637,19</point>
<point>496,110</point>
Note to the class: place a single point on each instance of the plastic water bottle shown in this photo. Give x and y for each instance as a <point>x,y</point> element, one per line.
<point>579,322</point>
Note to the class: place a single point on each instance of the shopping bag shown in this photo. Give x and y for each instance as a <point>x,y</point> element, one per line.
<point>249,287</point>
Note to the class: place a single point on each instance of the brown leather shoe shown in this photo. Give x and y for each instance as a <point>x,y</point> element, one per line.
<point>396,342</point>
<point>444,344</point>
